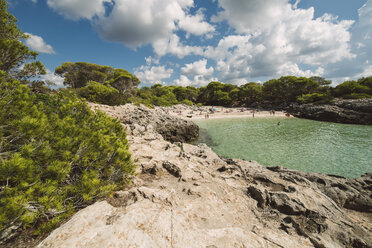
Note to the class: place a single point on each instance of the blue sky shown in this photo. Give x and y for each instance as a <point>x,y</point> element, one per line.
<point>193,42</point>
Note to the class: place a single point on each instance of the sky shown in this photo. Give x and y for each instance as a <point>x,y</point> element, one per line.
<point>194,42</point>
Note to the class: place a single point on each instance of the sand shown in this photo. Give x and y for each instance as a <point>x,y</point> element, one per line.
<point>199,113</point>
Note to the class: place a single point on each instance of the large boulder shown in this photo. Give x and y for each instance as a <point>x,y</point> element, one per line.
<point>172,128</point>
<point>356,111</point>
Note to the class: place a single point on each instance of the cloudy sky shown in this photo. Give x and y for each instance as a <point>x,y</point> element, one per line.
<point>193,42</point>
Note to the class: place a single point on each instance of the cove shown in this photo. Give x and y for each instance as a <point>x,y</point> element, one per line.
<point>300,144</point>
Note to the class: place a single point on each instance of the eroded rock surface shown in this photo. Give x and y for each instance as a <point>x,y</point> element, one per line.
<point>187,196</point>
<point>357,111</point>
<point>140,117</point>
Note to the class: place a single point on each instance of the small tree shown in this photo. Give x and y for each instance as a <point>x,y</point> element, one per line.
<point>13,53</point>
<point>78,74</point>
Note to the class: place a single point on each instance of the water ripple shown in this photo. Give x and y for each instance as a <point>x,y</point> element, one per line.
<point>300,144</point>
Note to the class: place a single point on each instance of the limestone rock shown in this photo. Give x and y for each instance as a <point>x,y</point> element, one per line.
<point>140,118</point>
<point>187,196</point>
<point>356,111</point>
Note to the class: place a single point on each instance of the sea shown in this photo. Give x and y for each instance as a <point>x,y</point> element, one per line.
<point>300,144</point>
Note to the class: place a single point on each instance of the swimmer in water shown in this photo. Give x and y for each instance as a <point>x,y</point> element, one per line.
<point>279,123</point>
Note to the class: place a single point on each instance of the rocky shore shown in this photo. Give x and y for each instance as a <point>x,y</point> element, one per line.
<point>171,127</point>
<point>187,196</point>
<point>356,111</point>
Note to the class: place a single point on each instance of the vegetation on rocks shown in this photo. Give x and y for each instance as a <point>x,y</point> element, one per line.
<point>56,155</point>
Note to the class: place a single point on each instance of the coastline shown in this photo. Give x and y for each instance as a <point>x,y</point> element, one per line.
<point>199,113</point>
<point>188,196</point>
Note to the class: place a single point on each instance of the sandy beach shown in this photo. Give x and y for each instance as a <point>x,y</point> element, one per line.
<point>213,112</point>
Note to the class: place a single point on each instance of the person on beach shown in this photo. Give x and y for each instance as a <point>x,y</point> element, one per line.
<point>253,111</point>
<point>273,112</point>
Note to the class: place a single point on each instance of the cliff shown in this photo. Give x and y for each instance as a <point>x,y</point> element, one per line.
<point>187,196</point>
<point>356,111</point>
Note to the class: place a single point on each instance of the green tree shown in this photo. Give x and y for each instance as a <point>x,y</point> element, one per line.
<point>15,57</point>
<point>314,98</point>
<point>56,156</point>
<point>100,93</point>
<point>366,81</point>
<point>186,93</point>
<point>250,93</point>
<point>274,91</point>
<point>352,89</point>
<point>78,74</point>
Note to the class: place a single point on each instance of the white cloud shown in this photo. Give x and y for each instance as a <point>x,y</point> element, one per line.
<point>249,16</point>
<point>361,43</point>
<point>141,22</point>
<point>34,1</point>
<point>183,81</point>
<point>172,45</point>
<point>37,44</point>
<point>276,38</point>
<point>196,24</point>
<point>198,68</point>
<point>153,74</point>
<point>78,9</point>
<point>198,71</point>
<point>53,78</point>
<point>150,60</point>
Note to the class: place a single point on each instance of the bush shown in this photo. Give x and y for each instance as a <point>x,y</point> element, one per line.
<point>187,102</point>
<point>314,98</point>
<point>99,93</point>
<point>348,88</point>
<point>56,156</point>
<point>357,96</point>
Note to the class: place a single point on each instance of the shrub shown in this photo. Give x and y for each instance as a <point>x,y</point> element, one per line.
<point>56,156</point>
<point>357,96</point>
<point>187,102</point>
<point>314,98</point>
<point>99,93</point>
<point>348,88</point>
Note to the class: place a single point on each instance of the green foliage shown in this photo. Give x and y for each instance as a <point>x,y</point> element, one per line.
<point>216,93</point>
<point>250,93</point>
<point>367,81</point>
<point>13,53</point>
<point>287,89</point>
<point>186,93</point>
<point>314,98</point>
<point>56,156</point>
<point>78,74</point>
<point>99,93</point>
<point>348,88</point>
<point>187,102</point>
<point>357,96</point>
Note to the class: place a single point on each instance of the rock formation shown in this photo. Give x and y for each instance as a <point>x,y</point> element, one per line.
<point>187,196</point>
<point>357,111</point>
<point>139,117</point>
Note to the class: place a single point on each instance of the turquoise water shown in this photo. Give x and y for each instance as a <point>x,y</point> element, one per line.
<point>305,145</point>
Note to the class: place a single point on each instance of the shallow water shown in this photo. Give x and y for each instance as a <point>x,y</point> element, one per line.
<point>305,145</point>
